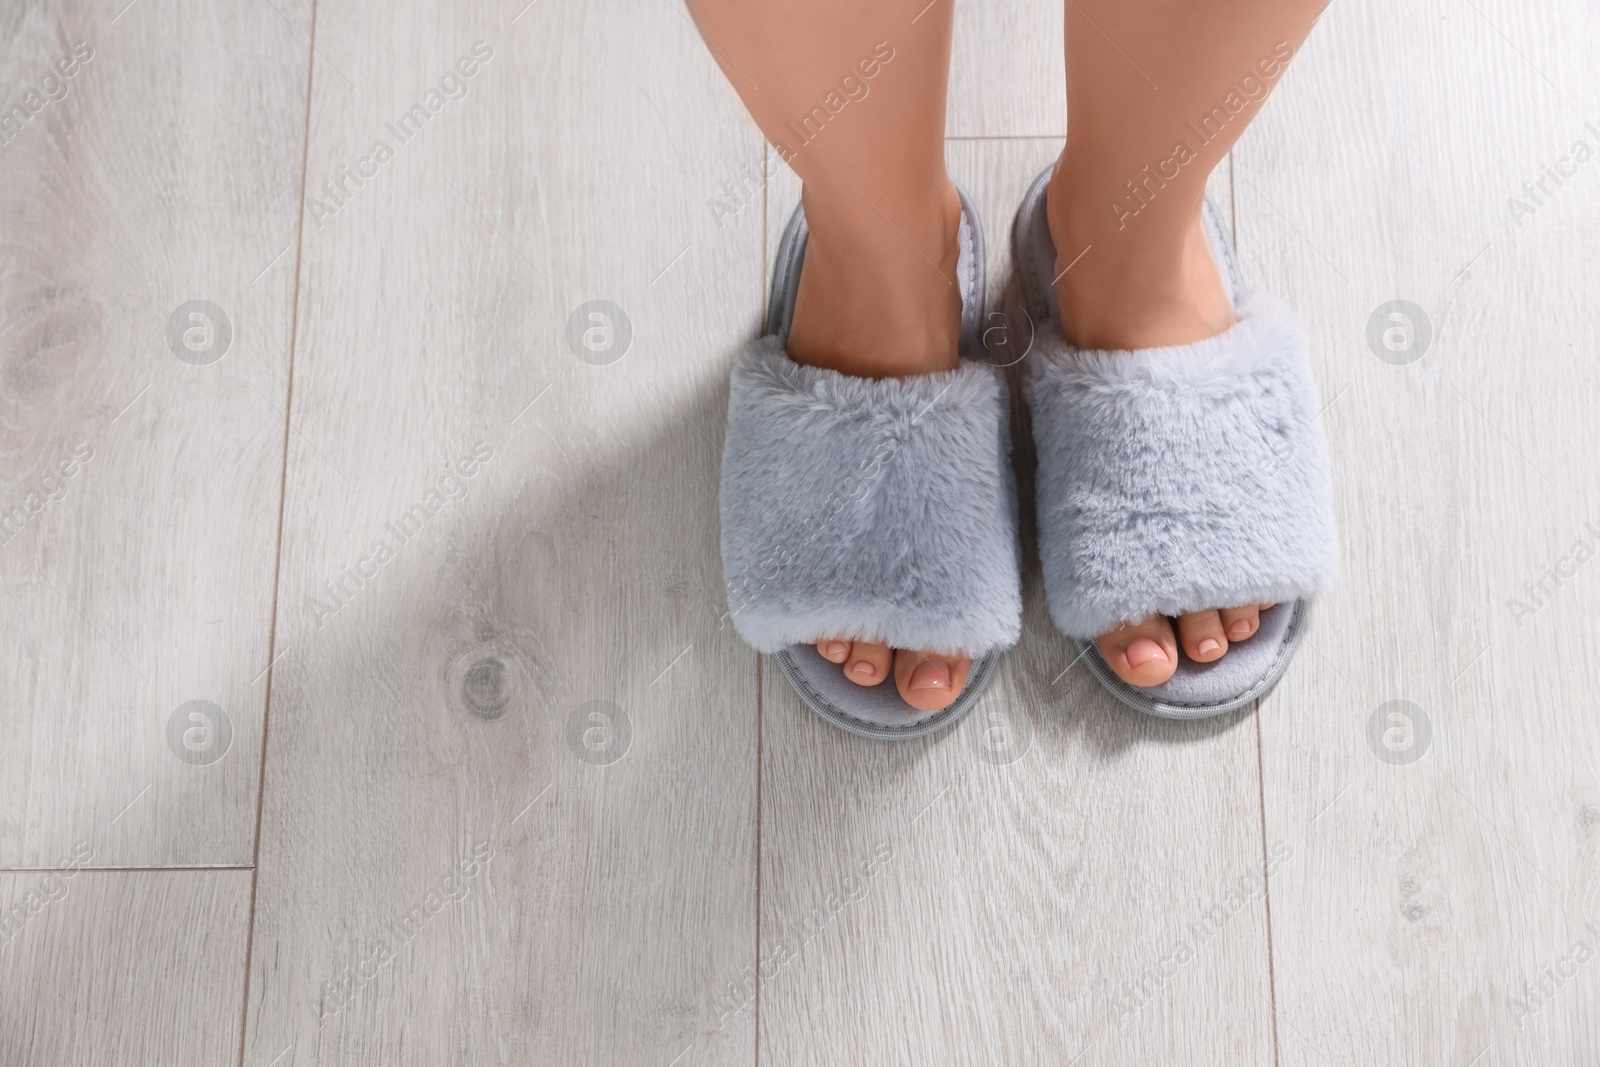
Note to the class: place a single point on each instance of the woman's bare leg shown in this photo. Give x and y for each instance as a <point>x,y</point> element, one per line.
<point>852,95</point>
<point>1158,91</point>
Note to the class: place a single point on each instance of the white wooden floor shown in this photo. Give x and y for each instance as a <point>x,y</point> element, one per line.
<point>508,790</point>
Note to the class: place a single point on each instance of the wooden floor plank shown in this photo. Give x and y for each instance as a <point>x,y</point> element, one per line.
<point>140,478</point>
<point>109,968</point>
<point>1445,848</point>
<point>510,790</point>
<point>1007,75</point>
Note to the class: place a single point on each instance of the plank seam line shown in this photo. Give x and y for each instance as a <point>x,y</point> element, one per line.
<point>125,870</point>
<point>277,561</point>
<point>1233,204</point>
<point>1266,886</point>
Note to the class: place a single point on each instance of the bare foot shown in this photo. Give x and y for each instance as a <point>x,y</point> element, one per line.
<point>925,680</point>
<point>1147,286</point>
<point>881,301</point>
<point>1146,652</point>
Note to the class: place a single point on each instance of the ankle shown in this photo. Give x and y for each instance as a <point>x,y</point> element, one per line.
<point>879,298</point>
<point>1142,283</point>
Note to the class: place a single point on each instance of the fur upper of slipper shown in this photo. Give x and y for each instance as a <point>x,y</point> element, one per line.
<point>1177,479</point>
<point>871,510</point>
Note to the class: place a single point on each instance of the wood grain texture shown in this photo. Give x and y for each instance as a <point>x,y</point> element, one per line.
<point>1054,880</point>
<point>1427,892</point>
<point>1007,76</point>
<point>166,171</point>
<point>110,968</point>
<point>447,869</point>
<point>527,798</point>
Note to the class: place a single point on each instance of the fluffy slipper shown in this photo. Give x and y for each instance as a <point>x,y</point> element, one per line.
<point>870,510</point>
<point>1178,479</point>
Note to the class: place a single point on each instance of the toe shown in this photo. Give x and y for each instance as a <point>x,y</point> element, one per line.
<point>1142,653</point>
<point>1202,635</point>
<point>928,681</point>
<point>1241,624</point>
<point>868,663</point>
<point>834,651</point>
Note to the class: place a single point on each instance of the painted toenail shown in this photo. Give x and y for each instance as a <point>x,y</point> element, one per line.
<point>1208,646</point>
<point>1145,651</point>
<point>1240,628</point>
<point>930,674</point>
<point>834,648</point>
<point>861,669</point>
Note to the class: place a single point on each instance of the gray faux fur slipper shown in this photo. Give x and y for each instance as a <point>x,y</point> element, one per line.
<point>1177,479</point>
<point>871,510</point>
